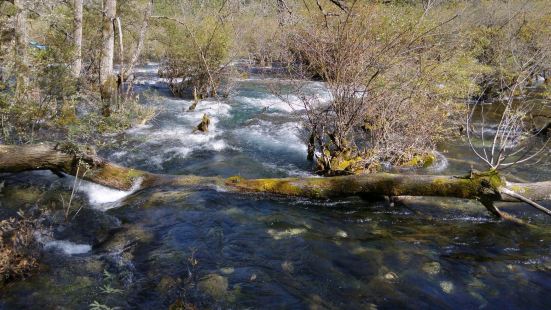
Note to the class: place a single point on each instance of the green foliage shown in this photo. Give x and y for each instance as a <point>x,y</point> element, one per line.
<point>196,50</point>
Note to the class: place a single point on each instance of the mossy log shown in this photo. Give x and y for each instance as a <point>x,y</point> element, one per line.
<point>62,159</point>
<point>486,187</point>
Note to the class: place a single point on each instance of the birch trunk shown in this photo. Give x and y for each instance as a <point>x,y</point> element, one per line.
<point>21,45</point>
<point>137,52</point>
<point>108,81</point>
<point>77,34</point>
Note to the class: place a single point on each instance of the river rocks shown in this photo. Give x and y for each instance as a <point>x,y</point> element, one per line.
<point>288,266</point>
<point>90,226</point>
<point>446,286</point>
<point>287,233</point>
<point>214,285</point>
<point>227,270</point>
<point>165,197</point>
<point>341,234</point>
<point>168,283</point>
<point>432,268</point>
<point>390,276</point>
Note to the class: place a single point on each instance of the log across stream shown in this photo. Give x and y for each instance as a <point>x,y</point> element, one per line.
<point>485,187</point>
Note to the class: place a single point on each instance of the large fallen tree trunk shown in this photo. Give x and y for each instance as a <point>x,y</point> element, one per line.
<point>486,187</point>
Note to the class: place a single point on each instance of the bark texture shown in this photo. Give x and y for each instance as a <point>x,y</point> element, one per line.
<point>77,37</point>
<point>108,81</point>
<point>21,44</point>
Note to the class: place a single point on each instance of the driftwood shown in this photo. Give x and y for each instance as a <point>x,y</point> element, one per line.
<point>485,187</point>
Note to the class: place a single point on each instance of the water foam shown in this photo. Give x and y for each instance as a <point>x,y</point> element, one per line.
<point>180,139</point>
<point>102,197</point>
<point>67,247</point>
<point>290,104</point>
<point>266,135</point>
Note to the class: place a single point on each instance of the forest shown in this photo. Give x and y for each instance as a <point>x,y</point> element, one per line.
<point>269,154</point>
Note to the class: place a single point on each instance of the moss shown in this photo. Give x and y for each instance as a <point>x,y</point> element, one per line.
<point>109,87</point>
<point>420,160</point>
<point>519,189</point>
<point>234,179</point>
<point>162,198</point>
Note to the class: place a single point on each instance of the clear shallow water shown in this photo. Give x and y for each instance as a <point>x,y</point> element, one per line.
<point>254,251</point>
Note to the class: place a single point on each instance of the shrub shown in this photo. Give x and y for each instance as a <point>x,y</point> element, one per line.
<point>19,247</point>
<point>391,94</point>
<point>196,53</point>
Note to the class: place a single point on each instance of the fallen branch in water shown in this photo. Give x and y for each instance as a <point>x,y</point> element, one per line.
<point>485,187</point>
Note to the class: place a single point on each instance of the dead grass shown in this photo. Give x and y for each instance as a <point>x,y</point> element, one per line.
<point>19,247</point>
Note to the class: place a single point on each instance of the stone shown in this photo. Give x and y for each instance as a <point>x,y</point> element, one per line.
<point>432,268</point>
<point>214,285</point>
<point>446,286</point>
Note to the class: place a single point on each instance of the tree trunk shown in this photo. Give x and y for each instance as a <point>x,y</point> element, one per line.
<point>139,47</point>
<point>283,12</point>
<point>77,34</point>
<point>108,81</point>
<point>21,45</point>
<point>487,187</point>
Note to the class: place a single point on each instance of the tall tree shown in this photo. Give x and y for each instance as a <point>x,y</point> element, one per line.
<point>77,64</point>
<point>141,40</point>
<point>21,42</point>
<point>108,81</point>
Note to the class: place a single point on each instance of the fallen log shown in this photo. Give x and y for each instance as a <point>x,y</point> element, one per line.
<point>485,187</point>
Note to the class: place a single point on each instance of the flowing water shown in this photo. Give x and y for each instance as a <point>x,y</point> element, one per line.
<point>216,249</point>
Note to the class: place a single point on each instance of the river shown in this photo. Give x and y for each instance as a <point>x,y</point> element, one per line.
<point>214,249</point>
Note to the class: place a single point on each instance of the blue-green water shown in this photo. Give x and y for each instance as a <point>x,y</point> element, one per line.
<point>216,249</point>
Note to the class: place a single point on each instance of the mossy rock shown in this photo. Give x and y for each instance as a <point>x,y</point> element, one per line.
<point>424,160</point>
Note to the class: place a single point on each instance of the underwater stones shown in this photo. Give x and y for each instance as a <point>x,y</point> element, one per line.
<point>90,226</point>
<point>390,276</point>
<point>179,304</point>
<point>342,234</point>
<point>432,268</point>
<point>168,283</point>
<point>94,266</point>
<point>446,286</point>
<point>125,236</point>
<point>162,198</point>
<point>227,270</point>
<point>214,285</point>
<point>287,266</point>
<point>287,233</point>
<point>316,302</point>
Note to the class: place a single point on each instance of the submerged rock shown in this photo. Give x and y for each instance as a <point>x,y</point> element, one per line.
<point>446,286</point>
<point>391,276</point>
<point>432,268</point>
<point>90,226</point>
<point>214,285</point>
<point>227,270</point>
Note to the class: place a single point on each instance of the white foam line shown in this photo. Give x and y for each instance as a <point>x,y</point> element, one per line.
<point>67,247</point>
<point>101,197</point>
